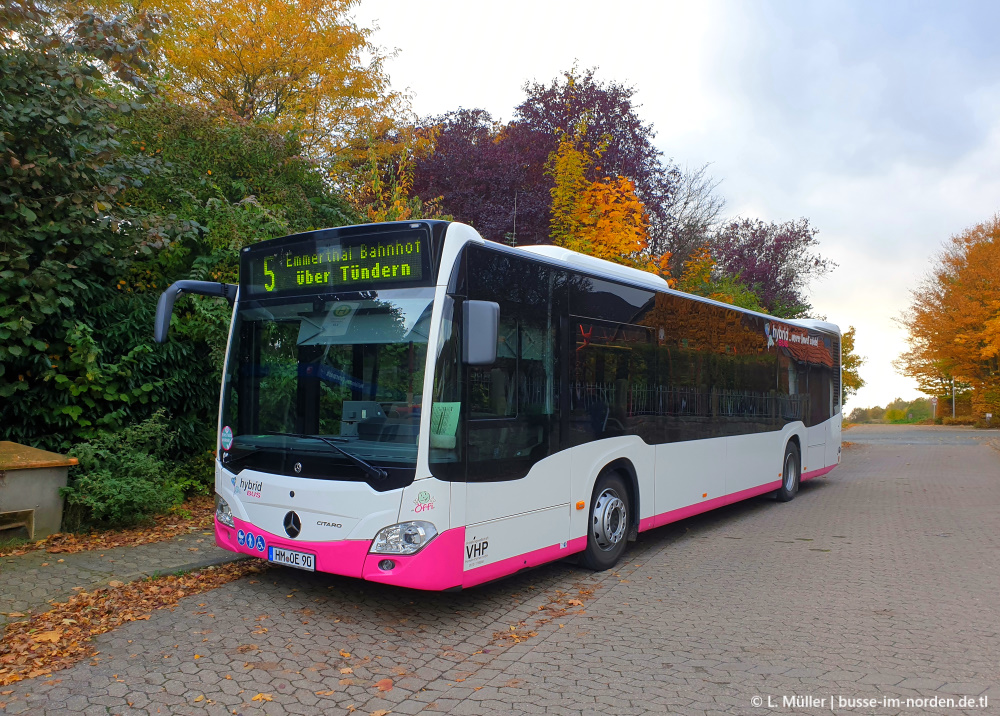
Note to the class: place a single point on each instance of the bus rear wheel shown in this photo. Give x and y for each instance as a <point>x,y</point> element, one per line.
<point>791,473</point>
<point>610,517</point>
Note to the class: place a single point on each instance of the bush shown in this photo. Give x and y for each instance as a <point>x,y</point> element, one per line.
<point>197,475</point>
<point>123,478</point>
<point>960,420</point>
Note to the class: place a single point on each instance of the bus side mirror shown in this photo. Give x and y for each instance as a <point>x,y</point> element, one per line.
<point>480,325</point>
<point>165,306</point>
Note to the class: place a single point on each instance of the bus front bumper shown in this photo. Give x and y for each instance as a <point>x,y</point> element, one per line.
<point>437,566</point>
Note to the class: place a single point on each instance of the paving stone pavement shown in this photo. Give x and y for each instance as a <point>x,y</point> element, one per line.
<point>880,582</point>
<point>30,581</point>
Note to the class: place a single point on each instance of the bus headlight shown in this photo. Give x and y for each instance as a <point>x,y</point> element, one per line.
<point>222,512</point>
<point>404,538</point>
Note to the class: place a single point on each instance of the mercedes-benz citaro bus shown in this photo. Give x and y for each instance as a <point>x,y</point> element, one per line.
<point>408,403</point>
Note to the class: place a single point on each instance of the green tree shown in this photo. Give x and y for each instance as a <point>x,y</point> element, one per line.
<point>65,234</point>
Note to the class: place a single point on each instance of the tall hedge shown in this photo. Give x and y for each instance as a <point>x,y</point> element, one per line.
<point>108,194</point>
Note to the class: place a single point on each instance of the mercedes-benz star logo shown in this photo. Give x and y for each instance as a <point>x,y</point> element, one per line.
<point>293,525</point>
<point>298,467</point>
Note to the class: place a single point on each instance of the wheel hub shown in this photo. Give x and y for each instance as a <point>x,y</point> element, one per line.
<point>790,473</point>
<point>610,519</point>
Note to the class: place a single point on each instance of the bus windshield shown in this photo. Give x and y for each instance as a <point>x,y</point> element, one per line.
<point>346,367</point>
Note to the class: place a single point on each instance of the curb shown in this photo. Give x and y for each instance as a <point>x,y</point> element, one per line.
<point>191,566</point>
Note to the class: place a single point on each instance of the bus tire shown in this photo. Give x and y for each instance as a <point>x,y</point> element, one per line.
<point>610,519</point>
<point>791,473</point>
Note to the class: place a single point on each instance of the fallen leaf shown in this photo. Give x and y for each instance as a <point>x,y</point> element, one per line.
<point>199,698</point>
<point>345,654</point>
<point>575,603</point>
<point>346,682</point>
<point>53,636</point>
<point>115,583</point>
<point>347,670</point>
<point>325,693</point>
<point>380,712</point>
<point>262,697</point>
<point>384,685</point>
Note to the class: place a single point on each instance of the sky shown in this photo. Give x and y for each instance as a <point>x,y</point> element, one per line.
<point>877,121</point>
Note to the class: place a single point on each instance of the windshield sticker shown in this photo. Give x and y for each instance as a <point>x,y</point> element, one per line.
<point>313,331</point>
<point>423,502</point>
<point>227,438</point>
<point>444,425</point>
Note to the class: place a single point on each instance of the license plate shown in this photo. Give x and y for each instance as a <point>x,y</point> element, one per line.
<point>299,560</point>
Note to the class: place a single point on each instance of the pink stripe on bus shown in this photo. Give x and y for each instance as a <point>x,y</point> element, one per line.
<point>815,473</point>
<point>489,572</point>
<point>437,566</point>
<point>696,509</point>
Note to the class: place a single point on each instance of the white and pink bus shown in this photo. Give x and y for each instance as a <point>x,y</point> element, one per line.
<point>408,403</point>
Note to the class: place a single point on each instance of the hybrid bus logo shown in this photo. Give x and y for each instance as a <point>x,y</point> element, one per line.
<point>776,335</point>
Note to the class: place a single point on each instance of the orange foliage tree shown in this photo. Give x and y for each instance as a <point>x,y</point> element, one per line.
<point>702,277</point>
<point>954,320</point>
<point>602,217</point>
<point>376,175</point>
<point>302,63</point>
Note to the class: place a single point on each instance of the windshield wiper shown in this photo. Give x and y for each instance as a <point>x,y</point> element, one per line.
<point>376,473</point>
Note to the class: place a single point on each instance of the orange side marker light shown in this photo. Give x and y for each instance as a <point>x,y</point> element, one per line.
<point>704,494</point>
<point>580,505</point>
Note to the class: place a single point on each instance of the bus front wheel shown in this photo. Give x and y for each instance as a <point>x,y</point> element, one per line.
<point>791,473</point>
<point>610,517</point>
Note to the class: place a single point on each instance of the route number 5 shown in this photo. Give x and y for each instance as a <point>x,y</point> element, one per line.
<point>269,284</point>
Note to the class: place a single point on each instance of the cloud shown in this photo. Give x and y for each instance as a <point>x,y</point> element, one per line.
<point>880,122</point>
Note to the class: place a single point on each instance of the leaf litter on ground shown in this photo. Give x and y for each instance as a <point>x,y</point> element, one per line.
<point>60,637</point>
<point>195,515</point>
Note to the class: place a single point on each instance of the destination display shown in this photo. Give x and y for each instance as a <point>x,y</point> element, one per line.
<point>338,263</point>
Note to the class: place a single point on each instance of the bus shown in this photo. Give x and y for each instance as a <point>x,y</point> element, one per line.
<point>408,403</point>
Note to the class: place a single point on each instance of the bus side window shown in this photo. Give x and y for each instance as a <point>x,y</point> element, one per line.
<point>513,405</point>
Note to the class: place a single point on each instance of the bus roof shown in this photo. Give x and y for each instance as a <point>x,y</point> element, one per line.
<point>611,270</point>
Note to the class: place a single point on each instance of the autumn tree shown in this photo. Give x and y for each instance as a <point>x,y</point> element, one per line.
<point>777,261</point>
<point>701,277</point>
<point>602,218</point>
<point>850,364</point>
<point>482,167</point>
<point>953,319</point>
<point>303,64</point>
<point>605,112</point>
<point>380,184</point>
